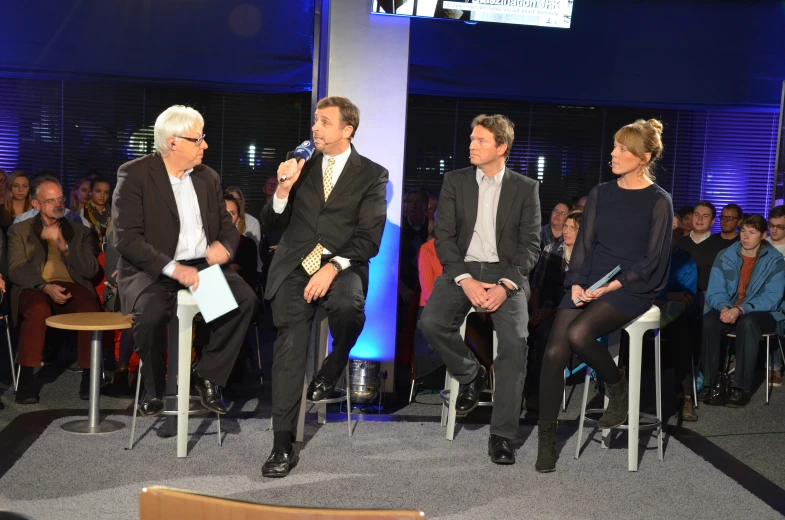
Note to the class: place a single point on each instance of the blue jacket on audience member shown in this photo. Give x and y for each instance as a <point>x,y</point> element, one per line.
<point>766,287</point>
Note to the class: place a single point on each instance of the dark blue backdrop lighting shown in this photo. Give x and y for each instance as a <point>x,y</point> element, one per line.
<point>256,45</point>
<point>685,53</point>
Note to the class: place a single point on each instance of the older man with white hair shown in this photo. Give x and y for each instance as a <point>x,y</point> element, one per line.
<point>170,222</point>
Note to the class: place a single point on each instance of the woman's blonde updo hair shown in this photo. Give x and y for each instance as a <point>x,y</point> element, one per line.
<point>640,138</point>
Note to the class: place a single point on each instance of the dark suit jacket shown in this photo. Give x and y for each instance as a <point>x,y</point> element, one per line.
<point>27,254</point>
<point>517,223</point>
<point>147,224</point>
<point>349,224</point>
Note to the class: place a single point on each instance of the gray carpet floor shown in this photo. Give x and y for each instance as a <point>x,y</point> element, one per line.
<point>384,464</point>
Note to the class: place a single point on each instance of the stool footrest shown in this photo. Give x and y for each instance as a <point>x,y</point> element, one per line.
<point>331,400</point>
<point>651,420</point>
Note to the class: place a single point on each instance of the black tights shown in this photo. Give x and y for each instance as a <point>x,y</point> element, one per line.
<point>576,331</point>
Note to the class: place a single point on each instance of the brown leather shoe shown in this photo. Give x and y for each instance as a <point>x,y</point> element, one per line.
<point>687,410</point>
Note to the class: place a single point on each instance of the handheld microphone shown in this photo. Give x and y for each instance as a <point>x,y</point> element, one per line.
<point>303,151</point>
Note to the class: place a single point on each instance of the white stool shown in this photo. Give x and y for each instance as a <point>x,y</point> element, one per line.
<point>451,386</point>
<point>321,406</point>
<point>179,381</point>
<point>768,352</point>
<point>650,320</point>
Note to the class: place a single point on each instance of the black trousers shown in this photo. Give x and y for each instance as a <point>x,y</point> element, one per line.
<point>156,307</point>
<point>293,316</point>
<point>749,329</point>
<point>440,323</point>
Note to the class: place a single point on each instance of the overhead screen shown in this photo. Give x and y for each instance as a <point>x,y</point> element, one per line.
<point>543,13</point>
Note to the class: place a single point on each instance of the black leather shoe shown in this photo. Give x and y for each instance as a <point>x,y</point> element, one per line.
<point>705,394</point>
<point>279,463</point>
<point>209,393</point>
<point>150,406</point>
<point>738,398</point>
<point>469,394</point>
<point>320,388</point>
<point>26,392</point>
<point>84,386</point>
<point>500,450</point>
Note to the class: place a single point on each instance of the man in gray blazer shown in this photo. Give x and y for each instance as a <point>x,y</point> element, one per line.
<point>488,240</point>
<point>51,265</point>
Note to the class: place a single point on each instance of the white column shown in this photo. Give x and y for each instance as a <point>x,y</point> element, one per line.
<point>368,62</point>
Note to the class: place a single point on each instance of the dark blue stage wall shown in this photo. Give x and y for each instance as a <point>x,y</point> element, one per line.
<point>684,53</point>
<point>263,46</point>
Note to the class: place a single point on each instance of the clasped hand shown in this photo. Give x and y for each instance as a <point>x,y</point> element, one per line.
<point>585,296</point>
<point>729,315</point>
<point>488,296</point>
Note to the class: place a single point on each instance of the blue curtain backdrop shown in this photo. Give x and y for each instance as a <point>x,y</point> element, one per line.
<point>685,53</point>
<point>264,46</point>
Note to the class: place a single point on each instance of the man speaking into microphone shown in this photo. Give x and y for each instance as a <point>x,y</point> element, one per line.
<point>331,211</point>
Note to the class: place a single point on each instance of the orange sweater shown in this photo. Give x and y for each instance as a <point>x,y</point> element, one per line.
<point>429,268</point>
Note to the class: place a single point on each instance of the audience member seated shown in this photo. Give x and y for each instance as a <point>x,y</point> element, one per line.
<point>776,239</point>
<point>547,291</point>
<point>581,202</point>
<point>676,304</point>
<point>433,202</point>
<point>551,232</point>
<point>97,213</point>
<point>426,359</point>
<point>730,217</point>
<point>244,261</point>
<point>696,244</point>
<point>686,218</point>
<point>80,194</point>
<point>16,199</point>
<point>270,185</point>
<point>126,361</point>
<point>676,221</point>
<point>414,233</point>
<point>3,178</point>
<point>252,227</point>
<point>745,292</point>
<point>71,215</point>
<point>51,265</point>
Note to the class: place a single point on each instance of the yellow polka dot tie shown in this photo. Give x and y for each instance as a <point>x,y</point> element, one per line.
<point>312,262</point>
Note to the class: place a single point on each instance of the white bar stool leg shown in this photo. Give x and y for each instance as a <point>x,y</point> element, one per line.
<point>633,417</point>
<point>454,386</point>
<point>583,411</point>
<point>348,399</point>
<point>184,335</point>
<point>136,404</point>
<point>658,383</point>
<point>694,384</point>
<point>768,371</point>
<point>445,406</point>
<point>614,346</point>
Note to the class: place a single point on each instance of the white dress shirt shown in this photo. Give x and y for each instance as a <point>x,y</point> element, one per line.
<point>699,240</point>
<point>482,247</point>
<point>340,161</point>
<point>192,242</point>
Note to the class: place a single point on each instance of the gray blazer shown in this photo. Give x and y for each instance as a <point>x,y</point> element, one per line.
<point>27,254</point>
<point>517,223</point>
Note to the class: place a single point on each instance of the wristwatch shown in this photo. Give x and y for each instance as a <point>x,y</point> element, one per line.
<point>337,266</point>
<point>509,291</point>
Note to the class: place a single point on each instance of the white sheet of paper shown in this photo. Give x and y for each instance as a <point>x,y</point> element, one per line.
<point>214,297</point>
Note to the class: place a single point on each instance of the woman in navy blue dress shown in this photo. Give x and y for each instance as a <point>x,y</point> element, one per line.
<point>626,222</point>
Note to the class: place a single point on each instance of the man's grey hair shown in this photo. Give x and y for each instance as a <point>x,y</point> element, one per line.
<point>43,179</point>
<point>175,120</point>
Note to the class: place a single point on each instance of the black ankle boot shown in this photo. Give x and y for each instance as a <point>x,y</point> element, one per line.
<point>26,392</point>
<point>546,447</point>
<point>618,402</point>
